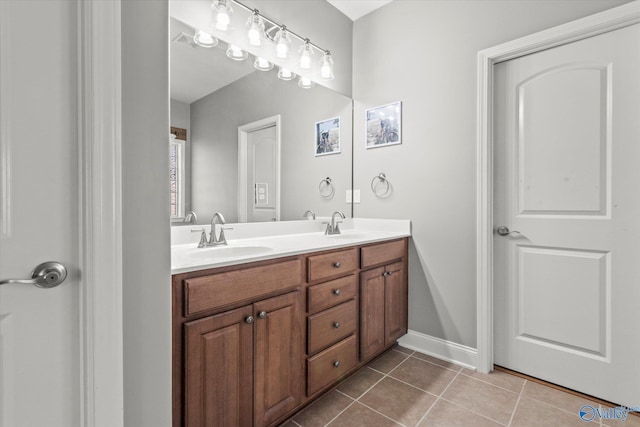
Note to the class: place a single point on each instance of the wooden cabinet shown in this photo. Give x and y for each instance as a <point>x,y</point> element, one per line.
<point>383,299</point>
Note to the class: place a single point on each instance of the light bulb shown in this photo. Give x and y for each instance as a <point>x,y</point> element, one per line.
<point>237,54</point>
<point>262,64</point>
<point>305,55</point>
<point>326,66</point>
<point>256,29</point>
<point>305,82</point>
<point>204,39</point>
<point>282,40</point>
<point>285,74</point>
<point>222,11</point>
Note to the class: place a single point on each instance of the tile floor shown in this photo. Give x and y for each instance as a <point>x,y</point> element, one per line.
<point>407,388</point>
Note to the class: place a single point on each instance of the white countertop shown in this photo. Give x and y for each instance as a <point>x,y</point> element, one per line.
<point>249,242</point>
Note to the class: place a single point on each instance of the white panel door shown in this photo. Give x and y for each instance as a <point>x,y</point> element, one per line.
<point>39,328</point>
<point>262,163</point>
<point>567,168</point>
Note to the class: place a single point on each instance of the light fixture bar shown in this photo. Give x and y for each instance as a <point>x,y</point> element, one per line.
<point>275,24</point>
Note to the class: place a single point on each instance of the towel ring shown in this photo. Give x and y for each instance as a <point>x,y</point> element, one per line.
<point>383,179</point>
<point>327,190</point>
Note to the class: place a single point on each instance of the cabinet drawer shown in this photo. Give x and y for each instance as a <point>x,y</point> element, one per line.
<point>338,263</point>
<point>382,253</point>
<point>332,325</point>
<point>331,293</point>
<point>246,285</point>
<point>326,367</point>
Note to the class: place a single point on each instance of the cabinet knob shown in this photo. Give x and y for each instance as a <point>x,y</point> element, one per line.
<point>387,273</point>
<point>249,319</point>
<point>336,325</point>
<point>336,292</point>
<point>336,363</point>
<point>336,264</point>
<point>262,315</point>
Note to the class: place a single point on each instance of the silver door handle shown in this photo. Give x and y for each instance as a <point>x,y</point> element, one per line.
<point>503,230</point>
<point>45,275</point>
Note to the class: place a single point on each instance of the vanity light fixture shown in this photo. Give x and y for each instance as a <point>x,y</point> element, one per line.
<point>221,11</point>
<point>255,23</point>
<point>305,55</point>
<point>262,64</point>
<point>237,54</point>
<point>204,39</point>
<point>282,41</point>
<point>285,74</point>
<point>305,82</point>
<point>326,66</point>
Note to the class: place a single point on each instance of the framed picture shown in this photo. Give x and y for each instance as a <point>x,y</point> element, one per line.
<point>327,137</point>
<point>384,125</point>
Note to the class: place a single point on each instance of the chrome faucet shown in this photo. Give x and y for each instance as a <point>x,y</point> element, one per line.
<point>191,217</point>
<point>213,239</point>
<point>309,213</point>
<point>333,227</point>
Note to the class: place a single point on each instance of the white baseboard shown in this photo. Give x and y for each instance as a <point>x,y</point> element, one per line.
<point>441,349</point>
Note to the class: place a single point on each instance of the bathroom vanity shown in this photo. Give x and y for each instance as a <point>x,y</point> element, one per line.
<point>257,337</point>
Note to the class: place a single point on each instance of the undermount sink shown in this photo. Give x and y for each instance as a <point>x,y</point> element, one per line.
<point>228,251</point>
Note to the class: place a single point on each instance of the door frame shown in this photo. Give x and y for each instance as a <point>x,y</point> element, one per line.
<point>609,20</point>
<point>100,213</point>
<point>243,137</point>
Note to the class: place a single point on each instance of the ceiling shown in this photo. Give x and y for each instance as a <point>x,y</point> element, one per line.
<point>355,9</point>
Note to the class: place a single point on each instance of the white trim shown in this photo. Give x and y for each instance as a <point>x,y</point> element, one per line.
<point>441,349</point>
<point>5,122</point>
<point>603,22</point>
<point>100,113</point>
<point>243,136</point>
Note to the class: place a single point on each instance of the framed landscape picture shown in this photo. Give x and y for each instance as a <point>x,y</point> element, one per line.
<point>384,125</point>
<point>327,137</point>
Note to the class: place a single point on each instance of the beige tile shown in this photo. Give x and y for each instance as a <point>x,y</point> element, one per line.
<point>446,414</point>
<point>498,378</point>
<point>388,361</point>
<point>610,420</point>
<point>424,375</point>
<point>437,361</point>
<point>323,411</point>
<point>360,382</point>
<point>486,399</point>
<point>554,397</point>
<point>398,401</point>
<point>532,413</point>
<point>359,415</point>
<point>402,349</point>
<point>289,423</point>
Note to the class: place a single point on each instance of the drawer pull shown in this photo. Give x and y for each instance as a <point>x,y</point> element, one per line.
<point>336,264</point>
<point>336,292</point>
<point>262,315</point>
<point>336,325</point>
<point>249,319</point>
<point>387,273</point>
<point>336,363</point>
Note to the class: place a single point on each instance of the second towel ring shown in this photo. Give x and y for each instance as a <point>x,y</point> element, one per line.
<point>383,180</point>
<point>327,190</point>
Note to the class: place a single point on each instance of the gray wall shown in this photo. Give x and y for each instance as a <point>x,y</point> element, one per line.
<point>214,127</point>
<point>423,53</point>
<point>181,118</point>
<point>145,203</point>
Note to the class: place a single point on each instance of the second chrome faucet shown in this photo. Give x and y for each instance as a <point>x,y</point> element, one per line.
<point>333,227</point>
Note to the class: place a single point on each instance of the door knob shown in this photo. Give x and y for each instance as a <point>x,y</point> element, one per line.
<point>503,230</point>
<point>45,275</point>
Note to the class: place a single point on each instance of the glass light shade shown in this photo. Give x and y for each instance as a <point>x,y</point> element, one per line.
<point>237,54</point>
<point>282,40</point>
<point>326,67</point>
<point>222,11</point>
<point>204,39</point>
<point>305,82</point>
<point>305,56</point>
<point>262,64</point>
<point>285,74</point>
<point>255,23</point>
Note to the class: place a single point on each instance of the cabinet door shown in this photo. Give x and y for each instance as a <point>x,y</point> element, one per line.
<point>219,370</point>
<point>395,297</point>
<point>372,297</point>
<point>279,362</point>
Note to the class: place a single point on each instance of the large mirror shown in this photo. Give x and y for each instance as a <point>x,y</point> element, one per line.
<point>252,140</point>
